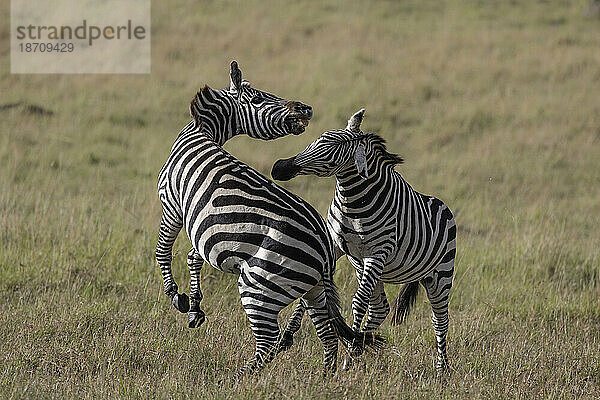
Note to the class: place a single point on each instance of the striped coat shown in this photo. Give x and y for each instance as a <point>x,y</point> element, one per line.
<point>241,222</point>
<point>389,232</point>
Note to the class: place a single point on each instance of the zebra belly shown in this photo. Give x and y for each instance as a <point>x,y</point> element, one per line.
<point>226,248</point>
<point>283,283</point>
<point>404,268</point>
<point>397,274</point>
<point>264,272</point>
<point>399,267</point>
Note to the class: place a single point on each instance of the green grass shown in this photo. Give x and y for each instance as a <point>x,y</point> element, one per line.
<point>495,107</point>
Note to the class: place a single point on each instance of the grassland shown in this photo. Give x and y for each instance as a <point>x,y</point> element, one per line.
<point>494,105</point>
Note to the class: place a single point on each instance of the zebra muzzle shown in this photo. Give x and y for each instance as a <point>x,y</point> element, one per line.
<point>284,170</point>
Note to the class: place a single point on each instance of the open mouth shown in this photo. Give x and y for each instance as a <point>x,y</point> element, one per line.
<point>296,124</point>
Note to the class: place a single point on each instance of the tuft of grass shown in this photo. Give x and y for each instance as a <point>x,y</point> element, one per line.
<point>494,106</point>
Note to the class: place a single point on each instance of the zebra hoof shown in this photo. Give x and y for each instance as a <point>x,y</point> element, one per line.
<point>442,373</point>
<point>196,318</point>
<point>181,302</point>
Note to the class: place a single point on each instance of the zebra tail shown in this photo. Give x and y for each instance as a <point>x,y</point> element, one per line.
<point>358,340</point>
<point>405,302</point>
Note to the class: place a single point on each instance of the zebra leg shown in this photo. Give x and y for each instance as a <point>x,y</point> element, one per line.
<point>287,338</point>
<point>379,309</point>
<point>262,316</point>
<point>169,229</point>
<point>372,269</point>
<point>315,303</point>
<point>196,316</point>
<point>438,286</point>
<point>348,363</point>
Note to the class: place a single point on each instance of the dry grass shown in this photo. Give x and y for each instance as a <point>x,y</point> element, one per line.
<point>495,107</point>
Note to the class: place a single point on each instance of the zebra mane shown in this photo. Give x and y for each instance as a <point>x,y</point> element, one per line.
<point>379,145</point>
<point>196,105</point>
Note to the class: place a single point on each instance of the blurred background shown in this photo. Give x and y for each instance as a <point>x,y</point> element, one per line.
<point>493,105</point>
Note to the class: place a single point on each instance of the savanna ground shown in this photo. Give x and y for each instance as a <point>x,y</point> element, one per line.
<point>494,105</point>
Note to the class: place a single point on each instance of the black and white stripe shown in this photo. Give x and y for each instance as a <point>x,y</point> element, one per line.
<point>390,232</point>
<point>241,222</point>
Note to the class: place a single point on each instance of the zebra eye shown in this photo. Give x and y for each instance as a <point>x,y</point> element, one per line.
<point>256,100</point>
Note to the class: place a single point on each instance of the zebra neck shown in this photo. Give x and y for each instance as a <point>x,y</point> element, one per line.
<point>215,115</point>
<point>354,191</point>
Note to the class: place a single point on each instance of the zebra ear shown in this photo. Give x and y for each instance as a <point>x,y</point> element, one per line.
<point>355,120</point>
<point>235,75</point>
<point>360,160</point>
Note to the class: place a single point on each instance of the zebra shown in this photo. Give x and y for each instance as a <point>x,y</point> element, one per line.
<point>223,114</point>
<point>243,223</point>
<point>390,232</point>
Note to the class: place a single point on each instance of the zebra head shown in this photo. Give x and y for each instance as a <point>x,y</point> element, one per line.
<point>263,115</point>
<point>336,151</point>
